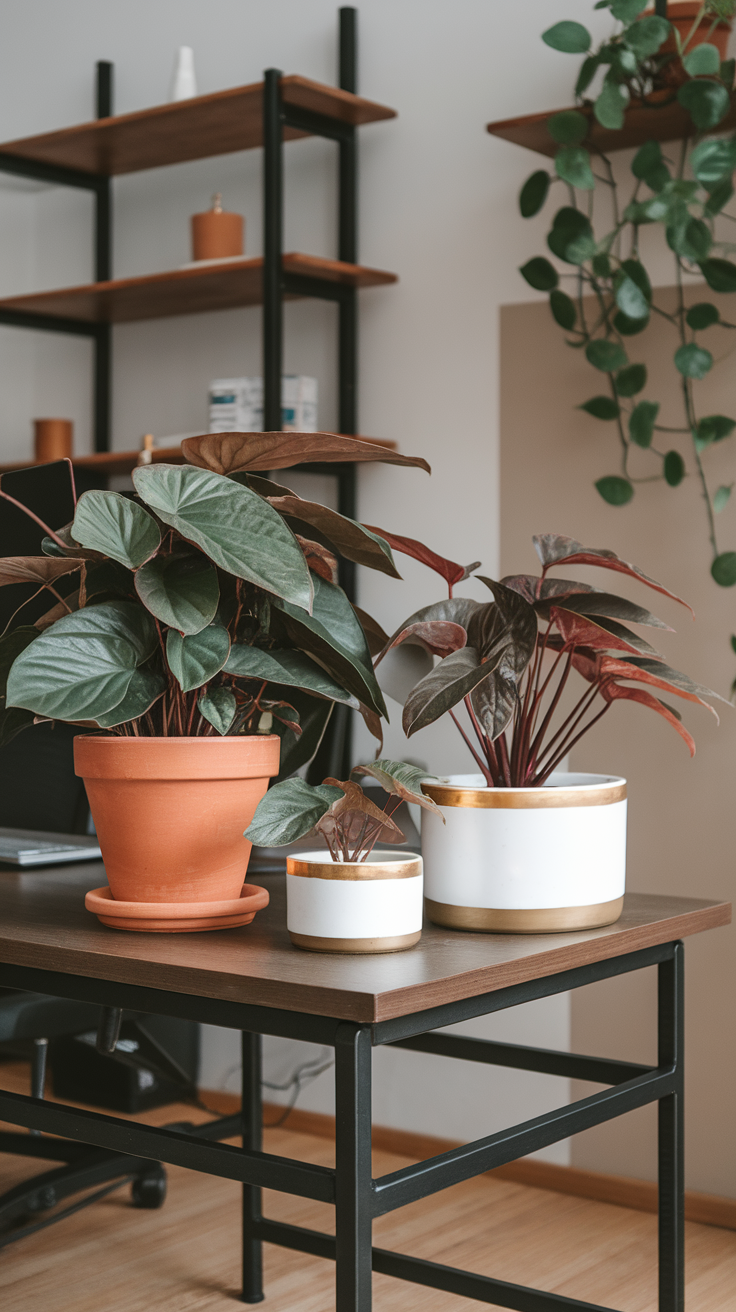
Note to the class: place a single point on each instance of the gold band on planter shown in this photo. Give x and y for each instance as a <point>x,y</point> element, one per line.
<point>546,920</point>
<point>408,869</point>
<point>355,945</point>
<point>521,798</point>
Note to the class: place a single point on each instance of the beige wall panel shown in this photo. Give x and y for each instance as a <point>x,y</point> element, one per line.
<point>682,813</point>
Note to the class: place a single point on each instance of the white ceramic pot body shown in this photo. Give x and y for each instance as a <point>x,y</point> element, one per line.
<point>366,906</point>
<point>526,860</point>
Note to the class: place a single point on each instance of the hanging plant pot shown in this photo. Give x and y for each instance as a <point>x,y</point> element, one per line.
<point>682,15</point>
<point>170,813</point>
<point>526,860</point>
<point>354,906</point>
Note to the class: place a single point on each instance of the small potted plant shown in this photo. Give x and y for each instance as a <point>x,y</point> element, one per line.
<point>206,638</point>
<point>527,847</point>
<point>349,897</point>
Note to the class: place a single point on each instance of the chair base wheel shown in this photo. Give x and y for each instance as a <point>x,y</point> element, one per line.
<point>149,1191</point>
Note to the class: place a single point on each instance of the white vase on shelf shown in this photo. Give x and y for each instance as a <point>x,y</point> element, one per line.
<point>184,81</point>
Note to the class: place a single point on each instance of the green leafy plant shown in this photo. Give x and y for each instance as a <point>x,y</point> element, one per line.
<point>347,821</point>
<point>508,662</point>
<point>206,603</point>
<point>685,192</point>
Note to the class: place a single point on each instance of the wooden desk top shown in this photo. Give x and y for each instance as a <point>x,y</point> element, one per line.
<point>43,924</point>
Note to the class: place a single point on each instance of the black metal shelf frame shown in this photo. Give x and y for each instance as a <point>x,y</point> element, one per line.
<point>350,1187</point>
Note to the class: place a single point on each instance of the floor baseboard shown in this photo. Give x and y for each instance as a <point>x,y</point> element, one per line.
<point>708,1209</point>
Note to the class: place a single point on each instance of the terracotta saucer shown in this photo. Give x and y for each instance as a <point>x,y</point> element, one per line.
<point>176,917</point>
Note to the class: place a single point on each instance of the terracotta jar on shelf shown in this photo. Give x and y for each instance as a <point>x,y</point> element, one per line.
<point>217,234</point>
<point>52,439</point>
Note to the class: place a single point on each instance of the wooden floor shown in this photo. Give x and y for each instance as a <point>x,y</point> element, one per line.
<point>114,1258</point>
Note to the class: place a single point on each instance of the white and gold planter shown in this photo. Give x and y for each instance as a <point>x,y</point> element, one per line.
<point>526,860</point>
<point>354,906</point>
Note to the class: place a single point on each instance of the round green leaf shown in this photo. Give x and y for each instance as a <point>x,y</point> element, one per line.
<point>628,327</point>
<point>692,239</point>
<point>563,309</point>
<point>641,422</point>
<point>195,658</point>
<point>181,590</point>
<point>723,569</point>
<point>615,490</point>
<point>540,274</point>
<point>720,275</point>
<point>719,197</point>
<point>702,315</point>
<point>568,128</point>
<point>627,10</point>
<point>674,468</point>
<point>601,407</point>
<point>571,237</point>
<point>703,60</point>
<point>648,165</point>
<point>601,265</point>
<point>218,706</point>
<point>572,164</point>
<point>588,70</point>
<point>713,428</point>
<point>236,528</point>
<point>631,380</point>
<point>610,105</point>
<point>630,299</point>
<point>706,102</point>
<point>606,355</point>
<point>721,497</point>
<point>82,666</point>
<point>116,526</point>
<point>534,193</point>
<point>570,38</point>
<point>693,361</point>
<point>647,35</point>
<point>711,161</point>
<point>635,270</point>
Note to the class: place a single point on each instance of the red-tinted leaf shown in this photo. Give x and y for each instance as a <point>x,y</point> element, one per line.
<point>534,589</point>
<point>611,668</point>
<point>36,569</point>
<point>453,610</point>
<point>451,572</point>
<point>350,812</point>
<point>439,637</point>
<point>375,635</point>
<point>579,631</point>
<point>614,692</point>
<point>227,453</point>
<point>554,549</point>
<point>511,617</point>
<point>318,558</point>
<point>613,608</point>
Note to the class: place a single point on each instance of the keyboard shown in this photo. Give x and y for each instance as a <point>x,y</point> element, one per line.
<point>20,847</point>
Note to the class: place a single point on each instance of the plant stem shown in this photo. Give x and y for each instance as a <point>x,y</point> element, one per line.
<point>485,771</point>
<point>551,768</point>
<point>49,531</point>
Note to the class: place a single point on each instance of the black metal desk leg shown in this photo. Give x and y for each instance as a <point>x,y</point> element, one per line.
<point>353,1168</point>
<point>671,1137</point>
<point>252,1113</point>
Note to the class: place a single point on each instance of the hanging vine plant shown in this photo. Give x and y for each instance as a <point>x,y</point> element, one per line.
<point>647,60</point>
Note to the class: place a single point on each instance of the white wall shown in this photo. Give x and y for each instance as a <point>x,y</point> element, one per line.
<point>438,207</point>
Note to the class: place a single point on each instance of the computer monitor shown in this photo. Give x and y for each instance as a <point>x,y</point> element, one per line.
<point>47,490</point>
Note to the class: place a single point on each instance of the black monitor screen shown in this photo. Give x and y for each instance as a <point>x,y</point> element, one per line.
<point>48,491</point>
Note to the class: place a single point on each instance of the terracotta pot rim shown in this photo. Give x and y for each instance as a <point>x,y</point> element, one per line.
<point>174,738</point>
<point>248,756</point>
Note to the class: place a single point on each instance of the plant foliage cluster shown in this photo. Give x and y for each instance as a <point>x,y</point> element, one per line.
<point>685,192</point>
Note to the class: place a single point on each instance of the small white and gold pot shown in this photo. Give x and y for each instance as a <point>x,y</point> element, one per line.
<point>525,860</point>
<point>354,906</point>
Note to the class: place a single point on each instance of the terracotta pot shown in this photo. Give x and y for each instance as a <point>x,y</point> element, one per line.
<point>526,860</point>
<point>354,906</point>
<point>52,439</point>
<point>682,16</point>
<point>170,812</point>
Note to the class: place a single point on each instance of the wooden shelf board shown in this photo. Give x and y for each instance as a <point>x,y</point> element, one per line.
<point>185,291</point>
<point>643,123</point>
<point>122,462</point>
<point>216,124</point>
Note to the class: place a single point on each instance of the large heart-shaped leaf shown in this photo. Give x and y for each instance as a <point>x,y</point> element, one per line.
<point>82,666</point>
<point>333,634</point>
<point>292,669</point>
<point>145,687</point>
<point>117,527</point>
<point>218,706</point>
<point>235,527</point>
<point>354,541</point>
<point>227,453</point>
<point>402,780</point>
<point>195,658</point>
<point>180,590</point>
<point>11,645</point>
<point>446,685</point>
<point>289,811</point>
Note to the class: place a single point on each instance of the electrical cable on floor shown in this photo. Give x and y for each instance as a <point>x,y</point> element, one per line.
<point>300,1076</point>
